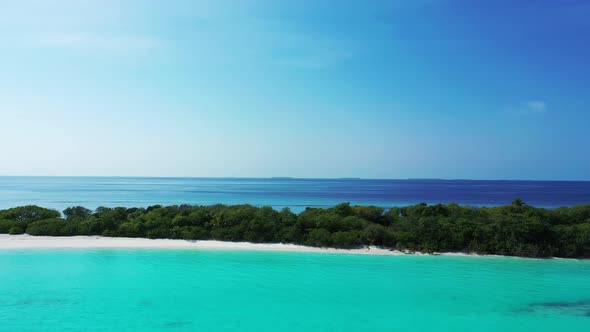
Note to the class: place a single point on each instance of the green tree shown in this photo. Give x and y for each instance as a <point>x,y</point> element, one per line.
<point>76,212</point>
<point>28,213</point>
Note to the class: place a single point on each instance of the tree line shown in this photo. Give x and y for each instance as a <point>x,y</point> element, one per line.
<point>517,229</point>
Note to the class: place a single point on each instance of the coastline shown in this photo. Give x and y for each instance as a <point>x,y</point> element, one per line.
<point>10,242</point>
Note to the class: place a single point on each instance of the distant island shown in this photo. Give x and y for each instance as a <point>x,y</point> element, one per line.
<point>513,230</point>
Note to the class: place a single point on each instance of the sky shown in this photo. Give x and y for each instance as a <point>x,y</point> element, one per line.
<point>260,88</point>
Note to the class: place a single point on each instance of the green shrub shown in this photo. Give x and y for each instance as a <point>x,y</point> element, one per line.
<point>6,225</point>
<point>15,230</point>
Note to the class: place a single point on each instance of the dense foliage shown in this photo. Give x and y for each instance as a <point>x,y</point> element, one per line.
<point>517,229</point>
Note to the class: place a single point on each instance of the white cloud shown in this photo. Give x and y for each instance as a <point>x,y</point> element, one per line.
<point>533,107</point>
<point>81,25</point>
<point>100,42</point>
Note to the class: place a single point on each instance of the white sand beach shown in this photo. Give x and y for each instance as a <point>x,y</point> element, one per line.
<point>26,241</point>
<point>90,242</point>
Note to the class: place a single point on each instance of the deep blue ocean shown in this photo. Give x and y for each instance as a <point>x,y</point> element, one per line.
<point>91,192</point>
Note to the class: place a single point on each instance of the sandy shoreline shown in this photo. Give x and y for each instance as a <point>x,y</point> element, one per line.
<point>97,242</point>
<point>91,242</point>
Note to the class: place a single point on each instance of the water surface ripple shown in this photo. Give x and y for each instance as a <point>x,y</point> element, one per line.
<point>183,290</point>
<point>91,192</point>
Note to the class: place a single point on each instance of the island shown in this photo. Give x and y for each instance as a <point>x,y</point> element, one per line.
<point>517,229</point>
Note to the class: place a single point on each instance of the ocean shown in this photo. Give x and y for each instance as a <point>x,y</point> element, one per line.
<point>184,290</point>
<point>91,192</point>
<point>200,290</point>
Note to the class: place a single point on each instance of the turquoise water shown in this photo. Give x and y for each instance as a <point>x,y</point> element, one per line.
<point>176,290</point>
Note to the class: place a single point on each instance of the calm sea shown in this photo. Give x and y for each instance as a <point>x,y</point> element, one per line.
<point>181,290</point>
<point>91,192</point>
<point>176,290</point>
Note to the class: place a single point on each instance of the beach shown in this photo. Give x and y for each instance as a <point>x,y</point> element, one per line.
<point>100,242</point>
<point>26,241</point>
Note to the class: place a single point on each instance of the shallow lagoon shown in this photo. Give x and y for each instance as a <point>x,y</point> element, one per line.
<point>184,290</point>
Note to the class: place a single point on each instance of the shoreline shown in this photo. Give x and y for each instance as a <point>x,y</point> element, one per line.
<point>82,242</point>
<point>25,241</point>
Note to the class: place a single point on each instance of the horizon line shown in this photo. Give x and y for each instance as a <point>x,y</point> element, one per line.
<point>281,178</point>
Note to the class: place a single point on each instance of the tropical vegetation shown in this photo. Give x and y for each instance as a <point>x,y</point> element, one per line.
<point>517,229</point>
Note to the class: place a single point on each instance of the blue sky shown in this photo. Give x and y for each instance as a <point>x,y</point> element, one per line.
<point>372,89</point>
